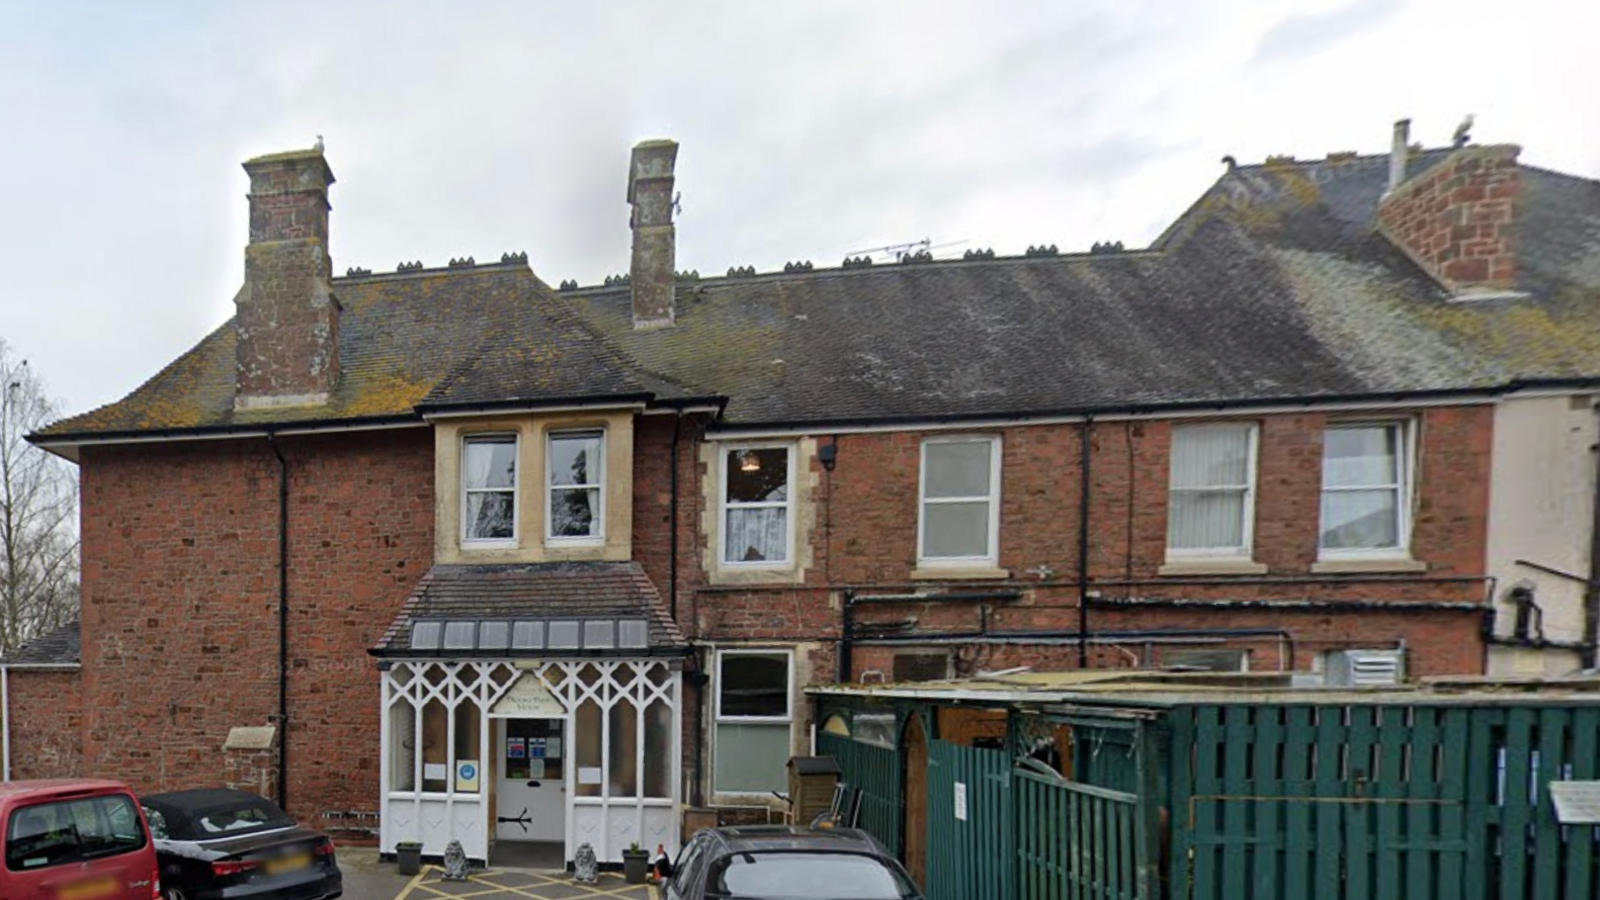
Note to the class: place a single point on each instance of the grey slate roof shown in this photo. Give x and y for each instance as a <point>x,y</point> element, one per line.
<point>599,590</point>
<point>1273,286</point>
<point>60,647</point>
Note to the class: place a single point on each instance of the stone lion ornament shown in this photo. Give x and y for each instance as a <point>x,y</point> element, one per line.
<point>585,868</point>
<point>455,862</point>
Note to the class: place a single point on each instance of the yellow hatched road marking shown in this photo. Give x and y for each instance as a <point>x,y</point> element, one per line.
<point>626,892</point>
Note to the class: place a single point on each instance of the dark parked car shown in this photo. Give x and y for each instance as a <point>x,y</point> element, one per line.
<point>222,844</point>
<point>785,862</point>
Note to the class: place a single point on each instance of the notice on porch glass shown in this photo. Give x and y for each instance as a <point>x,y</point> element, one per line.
<point>961,801</point>
<point>1576,802</point>
<point>587,775</point>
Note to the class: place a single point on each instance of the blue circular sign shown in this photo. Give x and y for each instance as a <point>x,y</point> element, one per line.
<point>469,771</point>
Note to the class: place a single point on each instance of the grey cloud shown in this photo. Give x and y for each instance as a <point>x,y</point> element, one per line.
<point>1303,35</point>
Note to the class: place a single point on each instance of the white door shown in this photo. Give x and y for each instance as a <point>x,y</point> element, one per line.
<point>530,784</point>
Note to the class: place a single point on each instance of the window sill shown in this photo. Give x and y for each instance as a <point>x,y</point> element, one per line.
<point>1216,566</point>
<point>958,573</point>
<point>1373,564</point>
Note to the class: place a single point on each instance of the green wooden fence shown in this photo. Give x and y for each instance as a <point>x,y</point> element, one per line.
<point>877,773</point>
<point>1359,801</point>
<point>971,832</point>
<point>1075,840</point>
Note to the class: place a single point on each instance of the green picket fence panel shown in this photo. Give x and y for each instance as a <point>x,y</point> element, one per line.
<point>876,772</point>
<point>1369,801</point>
<point>1075,840</point>
<point>971,832</point>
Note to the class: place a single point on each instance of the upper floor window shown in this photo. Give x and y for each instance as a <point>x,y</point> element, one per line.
<point>1211,508</point>
<point>960,519</point>
<point>575,462</point>
<point>1366,490</point>
<point>756,504</point>
<point>489,489</point>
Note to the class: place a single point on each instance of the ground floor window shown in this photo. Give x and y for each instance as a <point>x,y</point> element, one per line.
<point>754,715</point>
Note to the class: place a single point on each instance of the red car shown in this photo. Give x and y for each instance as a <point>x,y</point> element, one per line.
<point>75,839</point>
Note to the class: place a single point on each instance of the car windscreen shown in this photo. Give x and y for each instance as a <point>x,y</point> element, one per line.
<point>59,832</point>
<point>775,875</point>
<point>215,818</point>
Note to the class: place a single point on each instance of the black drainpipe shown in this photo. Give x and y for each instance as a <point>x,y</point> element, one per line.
<point>1086,434</point>
<point>672,520</point>
<point>847,607</point>
<point>1591,604</point>
<point>283,623</point>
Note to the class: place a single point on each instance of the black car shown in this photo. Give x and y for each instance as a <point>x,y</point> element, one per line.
<point>784,862</point>
<point>222,844</point>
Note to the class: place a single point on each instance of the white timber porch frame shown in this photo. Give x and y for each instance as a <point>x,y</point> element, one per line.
<point>608,823</point>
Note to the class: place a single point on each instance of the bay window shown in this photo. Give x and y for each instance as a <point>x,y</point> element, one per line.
<point>757,500</point>
<point>575,464</point>
<point>1366,490</point>
<point>1211,490</point>
<point>489,489</point>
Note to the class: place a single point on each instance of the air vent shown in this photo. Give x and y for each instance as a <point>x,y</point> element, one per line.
<point>1365,668</point>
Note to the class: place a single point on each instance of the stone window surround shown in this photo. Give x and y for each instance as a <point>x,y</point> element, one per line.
<point>802,518</point>
<point>533,431</point>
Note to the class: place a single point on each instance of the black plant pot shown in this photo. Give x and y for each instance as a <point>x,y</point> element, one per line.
<point>634,865</point>
<point>409,859</point>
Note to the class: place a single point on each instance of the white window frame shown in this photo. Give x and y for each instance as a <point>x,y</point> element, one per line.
<point>1248,533</point>
<point>788,504</point>
<point>718,719</point>
<point>597,470</point>
<point>992,558</point>
<point>1405,492</point>
<point>516,490</point>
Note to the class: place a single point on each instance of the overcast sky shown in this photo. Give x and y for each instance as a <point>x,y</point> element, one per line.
<point>809,130</point>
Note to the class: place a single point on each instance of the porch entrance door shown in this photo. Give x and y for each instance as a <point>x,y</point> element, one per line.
<point>530,781</point>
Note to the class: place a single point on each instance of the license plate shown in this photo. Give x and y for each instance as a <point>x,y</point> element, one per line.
<point>88,890</point>
<point>292,863</point>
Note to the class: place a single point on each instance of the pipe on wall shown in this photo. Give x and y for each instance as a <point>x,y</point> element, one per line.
<point>283,622</point>
<point>1086,436</point>
<point>5,718</point>
<point>1591,604</point>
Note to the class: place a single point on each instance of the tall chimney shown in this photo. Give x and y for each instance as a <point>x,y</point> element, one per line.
<point>1399,149</point>
<point>1457,220</point>
<point>653,274</point>
<point>287,323</point>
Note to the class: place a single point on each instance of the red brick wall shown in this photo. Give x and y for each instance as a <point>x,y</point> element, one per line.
<point>870,544</point>
<point>180,599</point>
<point>1457,219</point>
<point>46,725</point>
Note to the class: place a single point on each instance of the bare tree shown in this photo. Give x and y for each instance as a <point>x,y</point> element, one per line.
<point>38,514</point>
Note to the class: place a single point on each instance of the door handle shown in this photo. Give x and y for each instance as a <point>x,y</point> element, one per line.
<point>533,784</point>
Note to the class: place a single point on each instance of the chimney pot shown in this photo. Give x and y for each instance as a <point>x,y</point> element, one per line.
<point>653,273</point>
<point>1398,153</point>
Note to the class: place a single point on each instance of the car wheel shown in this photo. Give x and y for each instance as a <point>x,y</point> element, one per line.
<point>174,893</point>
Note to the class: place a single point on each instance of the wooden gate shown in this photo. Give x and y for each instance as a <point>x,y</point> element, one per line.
<point>971,845</point>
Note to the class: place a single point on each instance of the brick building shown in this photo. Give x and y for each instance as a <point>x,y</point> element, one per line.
<point>454,551</point>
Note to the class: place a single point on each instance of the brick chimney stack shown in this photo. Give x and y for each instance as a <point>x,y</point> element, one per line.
<point>287,323</point>
<point>653,273</point>
<point>1457,220</point>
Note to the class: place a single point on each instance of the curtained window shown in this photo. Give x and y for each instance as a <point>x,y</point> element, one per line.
<point>757,504</point>
<point>1365,489</point>
<point>960,500</point>
<point>576,477</point>
<point>489,489</point>
<point>1212,490</point>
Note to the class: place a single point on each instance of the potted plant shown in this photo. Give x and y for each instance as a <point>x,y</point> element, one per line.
<point>634,863</point>
<point>409,856</point>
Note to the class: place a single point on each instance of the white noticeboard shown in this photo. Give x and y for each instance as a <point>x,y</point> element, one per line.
<point>435,771</point>
<point>1576,802</point>
<point>961,801</point>
<point>587,775</point>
